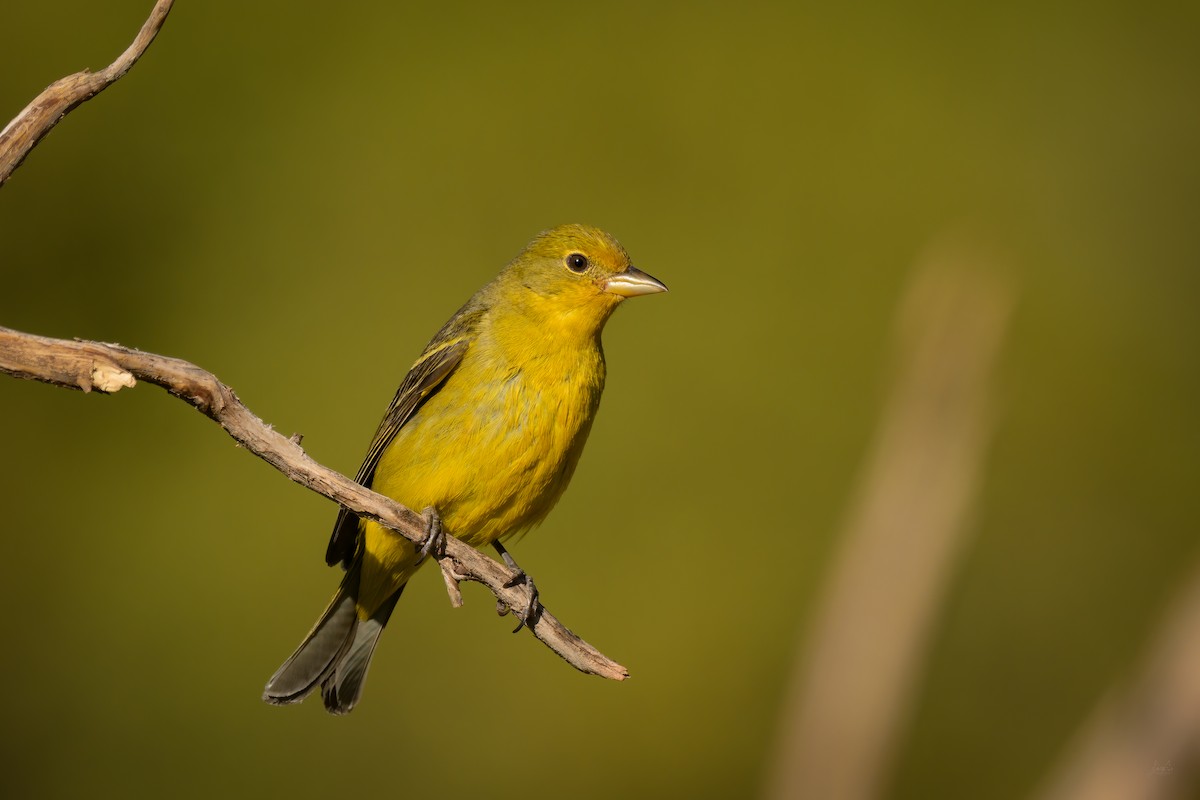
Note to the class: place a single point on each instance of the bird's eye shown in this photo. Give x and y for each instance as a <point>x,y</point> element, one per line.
<point>577,262</point>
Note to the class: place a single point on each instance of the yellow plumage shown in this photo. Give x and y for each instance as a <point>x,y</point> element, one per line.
<point>487,429</point>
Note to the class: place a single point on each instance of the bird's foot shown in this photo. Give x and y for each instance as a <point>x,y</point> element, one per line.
<point>533,608</point>
<point>435,537</point>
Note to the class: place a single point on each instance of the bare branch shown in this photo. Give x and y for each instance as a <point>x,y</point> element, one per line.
<point>109,367</point>
<point>61,97</point>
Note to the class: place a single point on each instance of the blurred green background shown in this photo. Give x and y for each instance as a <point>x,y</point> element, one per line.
<point>295,196</point>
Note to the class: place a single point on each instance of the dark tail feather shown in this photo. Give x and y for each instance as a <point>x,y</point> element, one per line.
<point>342,685</point>
<point>321,650</point>
<point>335,654</point>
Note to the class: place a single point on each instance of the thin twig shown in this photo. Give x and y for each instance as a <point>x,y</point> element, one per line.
<point>59,98</point>
<point>109,368</point>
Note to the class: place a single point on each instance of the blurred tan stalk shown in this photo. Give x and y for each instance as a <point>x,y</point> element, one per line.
<point>1141,743</point>
<point>851,692</point>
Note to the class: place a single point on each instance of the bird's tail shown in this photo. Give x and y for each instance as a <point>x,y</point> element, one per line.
<point>335,654</point>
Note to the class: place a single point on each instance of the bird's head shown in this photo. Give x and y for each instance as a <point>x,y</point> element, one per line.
<point>577,273</point>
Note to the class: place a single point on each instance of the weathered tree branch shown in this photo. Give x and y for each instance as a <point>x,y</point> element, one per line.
<point>59,98</point>
<point>109,368</point>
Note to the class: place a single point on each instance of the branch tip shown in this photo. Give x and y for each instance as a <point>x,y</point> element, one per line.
<point>57,100</point>
<point>451,578</point>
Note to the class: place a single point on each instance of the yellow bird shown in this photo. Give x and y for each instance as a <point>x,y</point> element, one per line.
<point>486,429</point>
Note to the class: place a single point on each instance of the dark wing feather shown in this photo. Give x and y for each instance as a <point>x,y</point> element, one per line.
<point>424,379</point>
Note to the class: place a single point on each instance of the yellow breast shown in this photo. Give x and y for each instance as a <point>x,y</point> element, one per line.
<point>493,449</point>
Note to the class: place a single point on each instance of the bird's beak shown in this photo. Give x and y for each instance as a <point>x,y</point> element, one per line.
<point>633,282</point>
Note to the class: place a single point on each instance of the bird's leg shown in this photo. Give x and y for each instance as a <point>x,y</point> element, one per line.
<point>530,614</point>
<point>435,537</point>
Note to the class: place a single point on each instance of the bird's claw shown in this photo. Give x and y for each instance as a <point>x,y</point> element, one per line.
<point>533,608</point>
<point>435,537</point>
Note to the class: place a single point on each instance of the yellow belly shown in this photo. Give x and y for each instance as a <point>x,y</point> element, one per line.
<point>492,455</point>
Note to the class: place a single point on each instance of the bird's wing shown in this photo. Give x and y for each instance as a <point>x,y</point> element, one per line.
<point>422,381</point>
